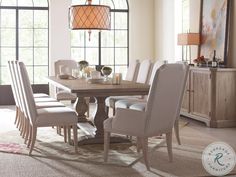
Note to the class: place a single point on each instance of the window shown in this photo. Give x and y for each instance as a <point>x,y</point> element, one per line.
<point>24,36</point>
<point>110,48</point>
<point>182,23</point>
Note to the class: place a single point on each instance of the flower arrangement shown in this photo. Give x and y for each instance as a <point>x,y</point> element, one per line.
<point>199,60</point>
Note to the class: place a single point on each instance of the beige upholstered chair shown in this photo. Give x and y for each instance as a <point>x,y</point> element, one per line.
<point>41,97</point>
<point>18,96</point>
<point>163,107</point>
<point>128,101</point>
<point>142,77</point>
<point>43,117</point>
<point>62,94</point>
<point>131,75</point>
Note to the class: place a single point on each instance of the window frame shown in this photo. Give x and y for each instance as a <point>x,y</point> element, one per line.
<point>17,28</point>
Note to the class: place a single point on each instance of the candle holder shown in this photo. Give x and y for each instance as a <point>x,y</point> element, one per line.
<point>116,78</point>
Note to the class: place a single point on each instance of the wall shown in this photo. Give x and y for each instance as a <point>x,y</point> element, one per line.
<point>59,32</point>
<point>194,22</point>
<point>164,29</point>
<point>142,29</point>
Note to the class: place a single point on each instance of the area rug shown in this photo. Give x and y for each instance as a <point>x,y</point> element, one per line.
<point>51,145</point>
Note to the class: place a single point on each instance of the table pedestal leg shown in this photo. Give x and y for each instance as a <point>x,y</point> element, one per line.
<point>95,135</point>
<point>100,116</point>
<point>81,108</point>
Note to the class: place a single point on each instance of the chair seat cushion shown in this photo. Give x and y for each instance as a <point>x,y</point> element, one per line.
<point>110,101</point>
<point>125,123</point>
<point>64,95</point>
<point>127,103</point>
<point>48,104</point>
<point>40,95</point>
<point>138,106</point>
<point>45,99</point>
<point>55,116</point>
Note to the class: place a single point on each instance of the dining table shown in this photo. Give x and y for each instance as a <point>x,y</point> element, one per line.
<point>93,126</point>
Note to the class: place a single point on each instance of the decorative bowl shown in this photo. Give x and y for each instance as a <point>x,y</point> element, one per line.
<point>106,71</point>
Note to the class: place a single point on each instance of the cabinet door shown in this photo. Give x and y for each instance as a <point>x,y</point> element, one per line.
<point>185,102</point>
<point>200,93</point>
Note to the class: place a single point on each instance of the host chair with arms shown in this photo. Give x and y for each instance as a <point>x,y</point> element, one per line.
<point>44,117</point>
<point>163,107</point>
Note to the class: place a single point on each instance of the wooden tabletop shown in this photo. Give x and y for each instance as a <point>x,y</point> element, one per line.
<point>82,88</point>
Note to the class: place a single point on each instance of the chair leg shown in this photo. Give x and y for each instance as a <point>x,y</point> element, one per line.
<point>69,134</point>
<point>87,102</point>
<point>176,128</point>
<point>106,145</point>
<point>65,134</point>
<point>27,131</point>
<point>107,111</point>
<point>114,111</point>
<point>139,144</point>
<point>75,138</point>
<point>19,120</point>
<point>25,127</point>
<point>30,136</point>
<point>169,145</point>
<point>59,130</point>
<point>144,142</point>
<point>34,134</point>
<point>17,115</point>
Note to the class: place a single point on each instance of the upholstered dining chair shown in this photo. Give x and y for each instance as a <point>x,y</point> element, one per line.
<point>41,97</point>
<point>126,102</point>
<point>62,94</point>
<point>44,117</point>
<point>142,77</point>
<point>131,75</point>
<point>18,92</point>
<point>163,107</point>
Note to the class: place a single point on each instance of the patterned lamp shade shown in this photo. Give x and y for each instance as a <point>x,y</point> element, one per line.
<point>90,17</point>
<point>189,39</point>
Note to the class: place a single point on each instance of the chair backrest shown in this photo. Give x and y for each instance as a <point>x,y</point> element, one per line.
<point>17,86</point>
<point>155,67</point>
<point>132,71</point>
<point>165,98</point>
<point>20,88</point>
<point>70,64</point>
<point>144,70</point>
<point>27,89</point>
<point>13,85</point>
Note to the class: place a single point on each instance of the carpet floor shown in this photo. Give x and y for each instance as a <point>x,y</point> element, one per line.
<point>52,157</point>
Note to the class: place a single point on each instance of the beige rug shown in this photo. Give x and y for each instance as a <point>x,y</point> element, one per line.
<point>51,145</point>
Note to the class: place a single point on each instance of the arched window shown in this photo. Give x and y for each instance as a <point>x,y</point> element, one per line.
<point>110,48</point>
<point>24,37</point>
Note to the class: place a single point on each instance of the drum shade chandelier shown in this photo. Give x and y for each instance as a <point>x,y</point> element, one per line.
<point>90,17</point>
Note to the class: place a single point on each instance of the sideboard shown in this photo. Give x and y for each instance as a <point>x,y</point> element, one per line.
<point>210,96</point>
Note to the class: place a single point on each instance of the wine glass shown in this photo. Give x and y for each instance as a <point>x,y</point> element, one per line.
<point>218,60</point>
<point>207,61</point>
<point>106,71</point>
